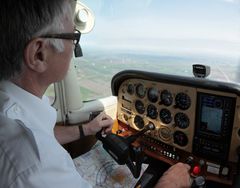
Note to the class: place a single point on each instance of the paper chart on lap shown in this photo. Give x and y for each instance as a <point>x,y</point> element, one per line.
<point>98,168</point>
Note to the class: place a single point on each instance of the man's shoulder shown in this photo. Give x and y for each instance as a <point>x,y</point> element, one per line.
<point>17,146</point>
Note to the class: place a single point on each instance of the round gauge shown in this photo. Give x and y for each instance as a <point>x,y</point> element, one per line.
<point>181,120</point>
<point>166,98</point>
<point>180,138</point>
<point>183,101</point>
<point>138,121</point>
<point>140,90</point>
<point>165,116</point>
<point>130,89</point>
<point>152,111</point>
<point>165,133</point>
<point>140,108</point>
<point>153,95</point>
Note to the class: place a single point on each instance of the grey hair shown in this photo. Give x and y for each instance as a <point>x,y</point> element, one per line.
<point>23,20</point>
<point>55,27</point>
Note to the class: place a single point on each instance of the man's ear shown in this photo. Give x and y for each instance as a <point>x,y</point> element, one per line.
<point>35,55</point>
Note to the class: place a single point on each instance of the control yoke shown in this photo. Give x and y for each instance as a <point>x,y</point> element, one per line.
<point>122,152</point>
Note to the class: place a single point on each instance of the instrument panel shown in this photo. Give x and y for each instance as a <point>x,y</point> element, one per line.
<point>193,117</point>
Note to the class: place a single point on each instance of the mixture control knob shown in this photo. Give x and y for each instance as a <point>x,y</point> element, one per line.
<point>196,170</point>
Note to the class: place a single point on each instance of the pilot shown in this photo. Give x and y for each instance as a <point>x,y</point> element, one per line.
<point>37,40</point>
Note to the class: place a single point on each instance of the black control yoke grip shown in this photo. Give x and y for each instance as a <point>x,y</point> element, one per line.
<point>148,127</point>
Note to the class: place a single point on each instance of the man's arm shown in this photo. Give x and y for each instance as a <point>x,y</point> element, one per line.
<point>66,134</point>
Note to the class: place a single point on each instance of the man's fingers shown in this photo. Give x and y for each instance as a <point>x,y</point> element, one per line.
<point>105,116</point>
<point>107,125</point>
<point>108,130</point>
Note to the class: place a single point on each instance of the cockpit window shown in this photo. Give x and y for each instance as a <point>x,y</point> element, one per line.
<point>160,36</point>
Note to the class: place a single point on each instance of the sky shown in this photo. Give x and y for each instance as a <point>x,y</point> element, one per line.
<point>180,26</point>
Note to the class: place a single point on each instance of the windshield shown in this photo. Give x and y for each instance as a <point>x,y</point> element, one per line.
<point>160,36</point>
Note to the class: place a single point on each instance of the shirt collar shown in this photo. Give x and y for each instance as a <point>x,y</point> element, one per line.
<point>35,113</point>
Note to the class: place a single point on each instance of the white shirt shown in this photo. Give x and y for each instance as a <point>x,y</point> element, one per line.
<point>30,156</point>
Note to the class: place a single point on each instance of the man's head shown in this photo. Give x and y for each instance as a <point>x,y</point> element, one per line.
<point>23,50</point>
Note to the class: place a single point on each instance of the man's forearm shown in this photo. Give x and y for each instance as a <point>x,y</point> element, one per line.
<point>66,134</point>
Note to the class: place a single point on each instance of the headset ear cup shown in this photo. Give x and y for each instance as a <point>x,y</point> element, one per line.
<point>83,18</point>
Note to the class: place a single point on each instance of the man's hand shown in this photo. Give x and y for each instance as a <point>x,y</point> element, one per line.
<point>177,176</point>
<point>101,122</point>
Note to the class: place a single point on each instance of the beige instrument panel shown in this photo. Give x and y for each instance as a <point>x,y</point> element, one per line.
<point>171,108</point>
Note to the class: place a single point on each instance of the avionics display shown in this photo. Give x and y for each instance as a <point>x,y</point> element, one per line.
<point>211,116</point>
<point>214,123</point>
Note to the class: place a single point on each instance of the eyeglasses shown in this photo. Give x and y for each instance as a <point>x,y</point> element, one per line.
<point>75,37</point>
